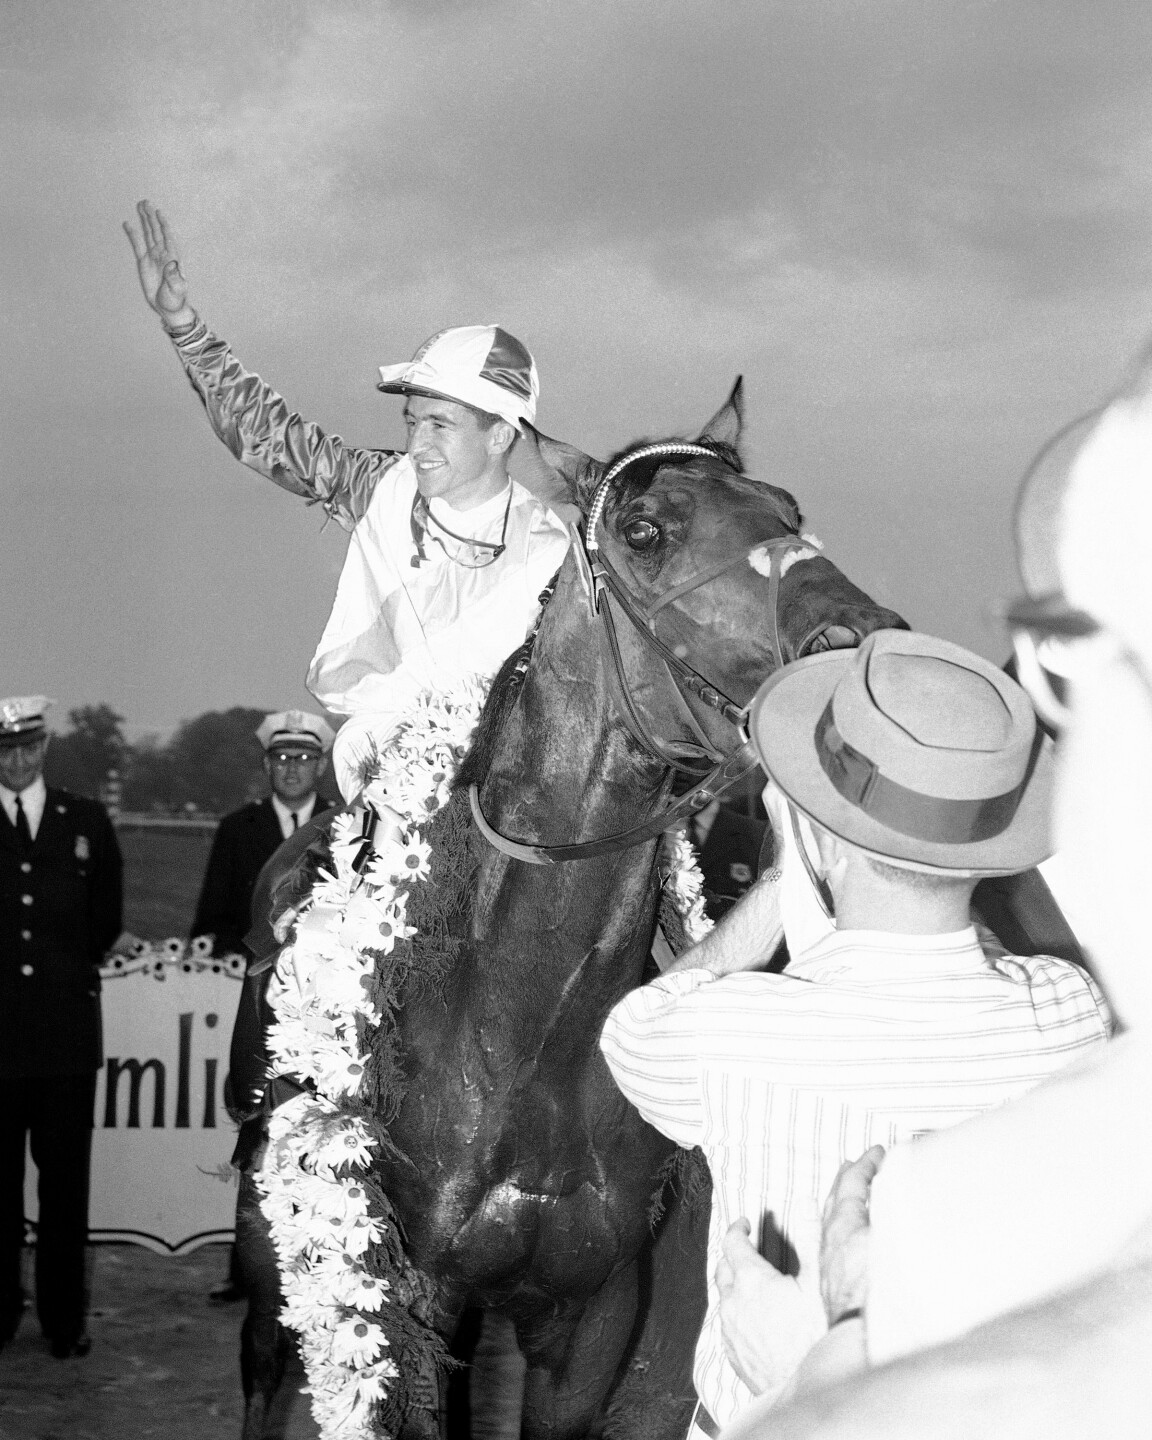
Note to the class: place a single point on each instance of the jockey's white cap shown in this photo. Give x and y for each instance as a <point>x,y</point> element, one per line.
<point>477,365</point>
<point>295,727</point>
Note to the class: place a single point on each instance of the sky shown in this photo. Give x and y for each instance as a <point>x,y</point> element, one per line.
<point>922,232</point>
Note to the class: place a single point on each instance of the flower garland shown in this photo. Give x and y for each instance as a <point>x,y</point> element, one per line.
<point>330,1224</point>
<point>325,1214</point>
<point>686,885</point>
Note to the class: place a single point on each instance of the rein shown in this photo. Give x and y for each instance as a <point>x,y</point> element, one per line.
<point>608,585</point>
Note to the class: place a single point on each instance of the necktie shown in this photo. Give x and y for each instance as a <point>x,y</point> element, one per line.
<point>295,819</point>
<point>22,829</point>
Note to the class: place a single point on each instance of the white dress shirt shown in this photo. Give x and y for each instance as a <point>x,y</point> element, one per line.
<point>401,626</point>
<point>869,1038</point>
<point>302,811</point>
<point>33,798</point>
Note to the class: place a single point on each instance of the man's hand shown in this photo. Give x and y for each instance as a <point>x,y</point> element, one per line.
<point>767,1322</point>
<point>158,265</point>
<point>844,1238</point>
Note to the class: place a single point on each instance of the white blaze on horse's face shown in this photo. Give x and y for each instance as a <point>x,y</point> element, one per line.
<point>760,559</point>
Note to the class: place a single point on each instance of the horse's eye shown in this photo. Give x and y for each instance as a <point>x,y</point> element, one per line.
<point>641,534</point>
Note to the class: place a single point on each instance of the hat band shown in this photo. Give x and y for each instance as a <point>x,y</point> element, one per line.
<point>921,817</point>
<point>9,739</point>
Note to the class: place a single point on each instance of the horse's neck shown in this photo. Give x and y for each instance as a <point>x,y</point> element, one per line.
<point>563,770</point>
<point>563,764</point>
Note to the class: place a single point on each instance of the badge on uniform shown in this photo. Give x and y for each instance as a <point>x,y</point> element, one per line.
<point>83,850</point>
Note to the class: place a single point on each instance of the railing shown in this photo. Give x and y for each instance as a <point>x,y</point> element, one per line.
<point>149,820</point>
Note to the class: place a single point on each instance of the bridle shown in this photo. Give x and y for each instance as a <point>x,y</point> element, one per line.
<point>607,588</point>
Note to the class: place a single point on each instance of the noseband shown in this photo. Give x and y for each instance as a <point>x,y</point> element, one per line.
<point>608,585</point>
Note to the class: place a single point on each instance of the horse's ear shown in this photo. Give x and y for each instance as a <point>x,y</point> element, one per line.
<point>728,422</point>
<point>560,475</point>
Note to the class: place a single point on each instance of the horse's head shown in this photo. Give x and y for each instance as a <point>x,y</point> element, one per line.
<point>709,563</point>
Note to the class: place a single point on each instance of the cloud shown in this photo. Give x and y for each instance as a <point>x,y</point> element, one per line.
<point>922,232</point>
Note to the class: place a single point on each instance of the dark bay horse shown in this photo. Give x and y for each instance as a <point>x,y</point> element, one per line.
<point>524,1182</point>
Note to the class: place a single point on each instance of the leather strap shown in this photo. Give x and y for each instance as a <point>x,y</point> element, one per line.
<point>716,784</point>
<point>614,669</point>
<point>728,772</point>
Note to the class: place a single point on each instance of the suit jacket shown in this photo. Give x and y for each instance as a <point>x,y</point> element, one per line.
<point>249,1060</point>
<point>729,858</point>
<point>60,910</point>
<point>244,840</point>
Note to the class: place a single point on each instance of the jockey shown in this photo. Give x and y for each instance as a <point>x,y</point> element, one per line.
<point>446,559</point>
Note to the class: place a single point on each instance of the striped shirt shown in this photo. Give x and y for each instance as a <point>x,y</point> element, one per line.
<point>869,1038</point>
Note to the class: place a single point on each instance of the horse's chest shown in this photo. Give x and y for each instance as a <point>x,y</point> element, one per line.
<point>557,1243</point>
<point>516,1178</point>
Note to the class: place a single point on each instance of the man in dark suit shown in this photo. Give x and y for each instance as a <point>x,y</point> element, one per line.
<point>60,909</point>
<point>296,746</point>
<point>728,840</point>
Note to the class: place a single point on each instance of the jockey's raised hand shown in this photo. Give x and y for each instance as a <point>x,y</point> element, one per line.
<point>158,266</point>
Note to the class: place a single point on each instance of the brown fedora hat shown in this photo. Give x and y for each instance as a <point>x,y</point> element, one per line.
<point>912,749</point>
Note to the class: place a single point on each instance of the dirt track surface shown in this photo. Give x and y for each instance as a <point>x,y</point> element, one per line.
<point>164,1362</point>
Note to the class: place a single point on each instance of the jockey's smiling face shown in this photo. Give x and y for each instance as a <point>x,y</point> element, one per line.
<point>455,454</point>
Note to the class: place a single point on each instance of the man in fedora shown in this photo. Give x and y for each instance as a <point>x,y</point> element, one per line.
<point>60,900</point>
<point>1004,1268</point>
<point>918,769</point>
<point>448,555</point>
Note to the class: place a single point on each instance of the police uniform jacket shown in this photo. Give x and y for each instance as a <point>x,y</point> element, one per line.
<point>244,840</point>
<point>60,911</point>
<point>730,857</point>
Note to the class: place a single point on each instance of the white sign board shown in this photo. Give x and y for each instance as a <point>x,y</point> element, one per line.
<point>162,1139</point>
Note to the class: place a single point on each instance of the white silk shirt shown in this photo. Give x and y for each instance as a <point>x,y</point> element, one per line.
<point>396,629</point>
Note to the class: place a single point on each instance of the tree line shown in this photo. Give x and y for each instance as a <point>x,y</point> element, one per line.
<point>211,764</point>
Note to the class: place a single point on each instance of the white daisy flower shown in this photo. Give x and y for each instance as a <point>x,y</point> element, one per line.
<point>371,1384</point>
<point>360,922</point>
<point>357,1341</point>
<point>417,858</point>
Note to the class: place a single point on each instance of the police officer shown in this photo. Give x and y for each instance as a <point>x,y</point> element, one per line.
<point>60,908</point>
<point>296,746</point>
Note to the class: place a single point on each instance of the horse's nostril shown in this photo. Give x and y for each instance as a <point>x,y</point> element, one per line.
<point>832,637</point>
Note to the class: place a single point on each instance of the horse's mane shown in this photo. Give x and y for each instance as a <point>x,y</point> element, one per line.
<point>501,697</point>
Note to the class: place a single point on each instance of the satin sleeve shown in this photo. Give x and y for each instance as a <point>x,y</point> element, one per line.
<point>263,433</point>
